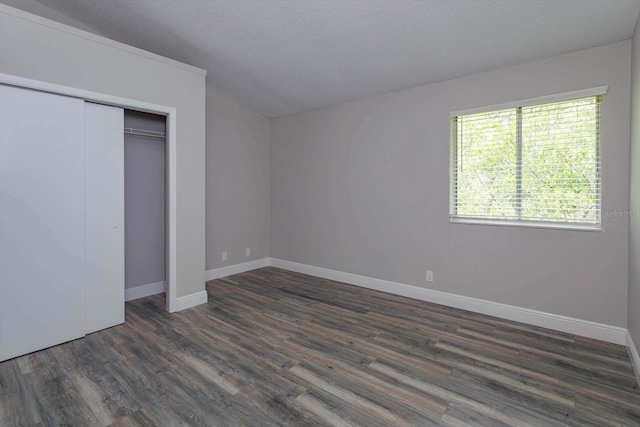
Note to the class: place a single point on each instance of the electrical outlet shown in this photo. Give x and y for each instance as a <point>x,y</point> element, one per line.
<point>247,252</point>
<point>429,276</point>
<point>224,256</point>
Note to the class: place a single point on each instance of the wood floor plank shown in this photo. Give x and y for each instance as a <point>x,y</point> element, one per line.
<point>277,348</point>
<point>464,417</point>
<point>60,403</point>
<point>17,408</point>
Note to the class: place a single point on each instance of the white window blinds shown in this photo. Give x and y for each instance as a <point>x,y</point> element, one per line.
<point>531,164</point>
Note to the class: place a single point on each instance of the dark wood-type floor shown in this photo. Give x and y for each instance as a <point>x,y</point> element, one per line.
<point>278,348</point>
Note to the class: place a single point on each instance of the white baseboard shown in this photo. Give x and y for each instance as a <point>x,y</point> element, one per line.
<point>144,291</point>
<point>201,297</point>
<point>634,356</point>
<point>612,334</point>
<point>192,300</point>
<point>217,273</point>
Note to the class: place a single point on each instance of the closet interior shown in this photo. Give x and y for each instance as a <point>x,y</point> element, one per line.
<point>144,203</point>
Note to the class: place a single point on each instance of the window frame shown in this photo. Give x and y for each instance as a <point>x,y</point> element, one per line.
<point>518,105</point>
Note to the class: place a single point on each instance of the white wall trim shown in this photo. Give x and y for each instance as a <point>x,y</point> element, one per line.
<point>171,147</point>
<point>192,300</point>
<point>634,356</point>
<point>217,273</point>
<point>144,291</point>
<point>96,38</point>
<point>558,97</point>
<point>612,334</point>
<point>201,297</point>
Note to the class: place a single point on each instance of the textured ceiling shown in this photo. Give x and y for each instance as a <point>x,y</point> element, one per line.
<point>282,57</point>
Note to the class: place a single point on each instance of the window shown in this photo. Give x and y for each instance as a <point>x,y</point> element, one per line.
<point>536,164</point>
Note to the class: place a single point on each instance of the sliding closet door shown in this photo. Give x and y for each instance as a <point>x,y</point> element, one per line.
<point>42,297</point>
<point>104,169</point>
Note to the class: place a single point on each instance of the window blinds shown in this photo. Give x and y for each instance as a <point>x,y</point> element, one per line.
<point>537,163</point>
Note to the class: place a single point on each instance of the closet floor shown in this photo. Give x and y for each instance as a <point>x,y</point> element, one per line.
<point>274,347</point>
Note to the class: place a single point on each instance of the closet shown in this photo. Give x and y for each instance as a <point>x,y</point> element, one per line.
<point>62,219</point>
<point>144,171</point>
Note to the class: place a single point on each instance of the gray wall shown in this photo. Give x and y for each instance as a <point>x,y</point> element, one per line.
<point>634,220</point>
<point>43,50</point>
<point>362,188</point>
<point>144,201</point>
<point>237,181</point>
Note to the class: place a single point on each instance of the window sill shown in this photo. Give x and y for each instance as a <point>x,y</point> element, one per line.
<point>528,224</point>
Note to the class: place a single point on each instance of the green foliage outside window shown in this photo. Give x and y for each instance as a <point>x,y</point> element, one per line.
<point>536,163</point>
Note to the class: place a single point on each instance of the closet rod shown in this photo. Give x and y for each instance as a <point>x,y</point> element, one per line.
<point>147,133</point>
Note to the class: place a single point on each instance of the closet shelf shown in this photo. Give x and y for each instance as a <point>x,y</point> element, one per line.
<point>147,133</point>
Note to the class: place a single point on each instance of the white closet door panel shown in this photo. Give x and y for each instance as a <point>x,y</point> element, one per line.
<point>41,220</point>
<point>104,154</point>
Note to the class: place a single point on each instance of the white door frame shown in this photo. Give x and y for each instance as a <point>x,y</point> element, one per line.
<point>146,107</point>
